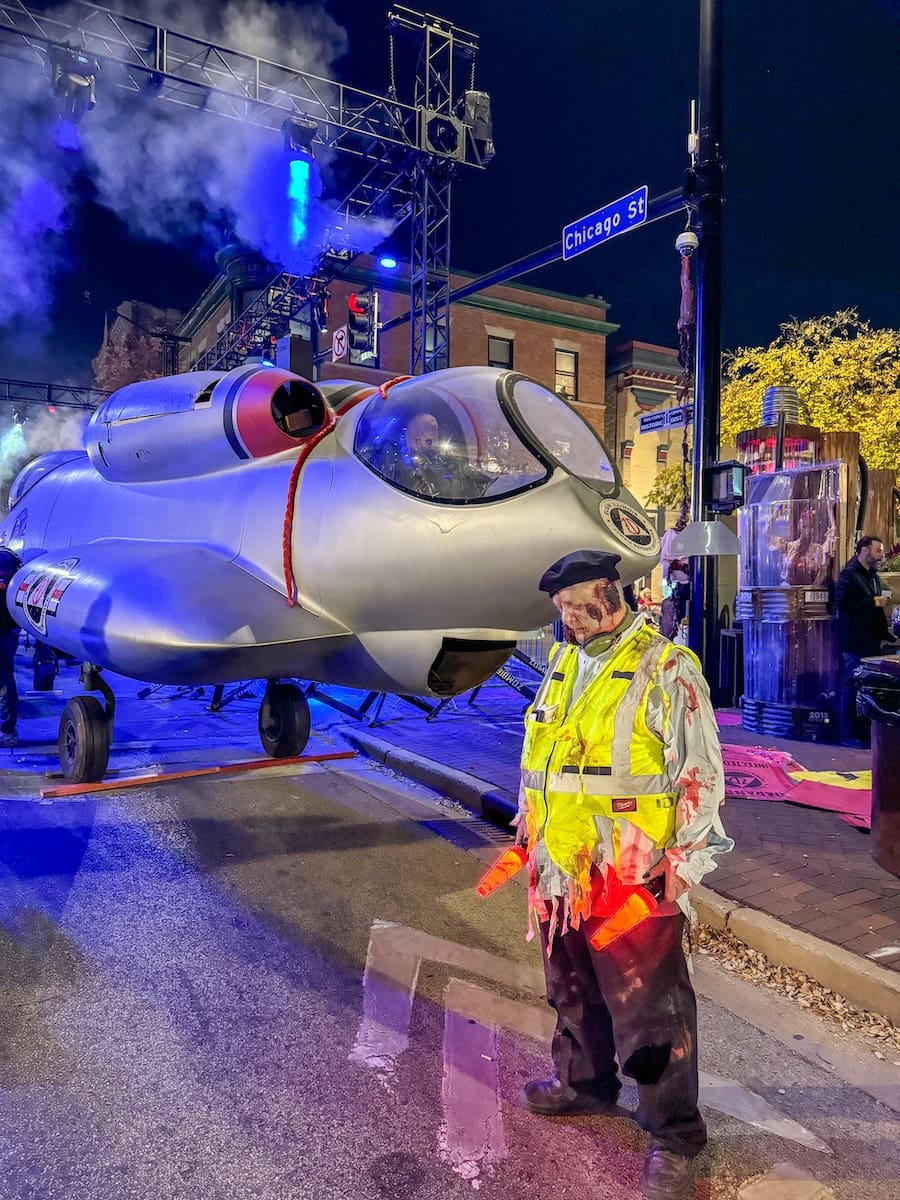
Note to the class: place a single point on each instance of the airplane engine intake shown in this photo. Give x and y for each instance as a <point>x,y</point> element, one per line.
<point>201,423</point>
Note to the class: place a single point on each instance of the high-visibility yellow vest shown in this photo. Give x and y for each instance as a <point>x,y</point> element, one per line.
<point>597,758</point>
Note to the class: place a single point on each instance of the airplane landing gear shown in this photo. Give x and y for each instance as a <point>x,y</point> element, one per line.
<point>45,666</point>
<point>284,720</point>
<point>85,731</point>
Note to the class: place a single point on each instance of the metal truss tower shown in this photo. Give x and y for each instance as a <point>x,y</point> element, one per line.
<point>443,50</point>
<point>409,153</point>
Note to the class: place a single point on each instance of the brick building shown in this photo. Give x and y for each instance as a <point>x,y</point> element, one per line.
<point>558,339</point>
<point>639,379</point>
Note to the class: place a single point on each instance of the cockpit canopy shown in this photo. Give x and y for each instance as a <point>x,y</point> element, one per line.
<point>481,435</point>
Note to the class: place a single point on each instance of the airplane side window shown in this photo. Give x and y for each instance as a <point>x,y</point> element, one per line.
<point>204,398</point>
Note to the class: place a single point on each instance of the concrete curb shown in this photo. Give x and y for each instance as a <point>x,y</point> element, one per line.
<point>493,803</point>
<point>861,982</point>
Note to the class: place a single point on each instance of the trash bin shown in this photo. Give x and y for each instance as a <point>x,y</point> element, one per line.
<point>878,698</point>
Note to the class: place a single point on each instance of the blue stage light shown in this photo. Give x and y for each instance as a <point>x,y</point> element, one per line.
<point>388,262</point>
<point>298,198</point>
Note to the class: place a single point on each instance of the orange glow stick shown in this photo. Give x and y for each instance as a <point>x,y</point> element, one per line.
<point>508,864</point>
<point>640,905</point>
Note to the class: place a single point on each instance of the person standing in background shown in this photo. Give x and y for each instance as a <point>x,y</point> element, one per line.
<point>9,642</point>
<point>861,605</point>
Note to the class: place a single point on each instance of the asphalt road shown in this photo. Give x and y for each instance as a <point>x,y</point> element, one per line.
<point>283,987</point>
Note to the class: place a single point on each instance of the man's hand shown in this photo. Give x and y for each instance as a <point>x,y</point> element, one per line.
<point>675,885</point>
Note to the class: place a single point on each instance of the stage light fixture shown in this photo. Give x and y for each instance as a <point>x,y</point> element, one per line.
<point>442,134</point>
<point>74,78</point>
<point>299,134</point>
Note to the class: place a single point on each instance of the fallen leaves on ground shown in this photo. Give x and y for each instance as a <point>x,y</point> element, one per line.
<point>752,965</point>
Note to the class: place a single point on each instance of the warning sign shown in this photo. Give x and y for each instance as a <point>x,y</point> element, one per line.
<point>339,344</point>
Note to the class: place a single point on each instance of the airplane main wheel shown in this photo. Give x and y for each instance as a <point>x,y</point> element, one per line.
<point>83,740</point>
<point>283,720</point>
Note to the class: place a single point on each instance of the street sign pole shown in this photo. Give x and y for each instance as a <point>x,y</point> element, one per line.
<point>704,185</point>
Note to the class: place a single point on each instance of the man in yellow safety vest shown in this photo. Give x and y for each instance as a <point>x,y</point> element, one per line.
<point>622,782</point>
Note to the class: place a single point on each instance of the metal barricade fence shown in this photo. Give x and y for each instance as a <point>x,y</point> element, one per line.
<point>537,645</point>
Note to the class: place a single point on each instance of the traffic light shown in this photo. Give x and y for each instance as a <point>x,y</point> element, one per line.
<point>268,351</point>
<point>362,326</point>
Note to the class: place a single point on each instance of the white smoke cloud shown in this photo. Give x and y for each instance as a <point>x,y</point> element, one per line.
<point>169,172</point>
<point>34,188</point>
<point>306,38</point>
<point>40,431</point>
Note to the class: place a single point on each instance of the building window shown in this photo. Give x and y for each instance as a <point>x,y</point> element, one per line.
<point>500,352</point>
<point>566,381</point>
<point>662,455</point>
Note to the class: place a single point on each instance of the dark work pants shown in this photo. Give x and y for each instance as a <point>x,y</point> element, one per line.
<point>9,696</point>
<point>633,1002</point>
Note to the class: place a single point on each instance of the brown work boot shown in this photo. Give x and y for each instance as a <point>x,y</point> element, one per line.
<point>667,1175</point>
<point>551,1098</point>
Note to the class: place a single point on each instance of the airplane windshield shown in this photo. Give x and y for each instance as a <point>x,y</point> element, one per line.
<point>449,442</point>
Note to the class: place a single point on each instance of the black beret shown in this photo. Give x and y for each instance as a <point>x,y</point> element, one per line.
<point>579,567</point>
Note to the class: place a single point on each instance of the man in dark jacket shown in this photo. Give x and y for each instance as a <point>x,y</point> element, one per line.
<point>9,641</point>
<point>862,622</point>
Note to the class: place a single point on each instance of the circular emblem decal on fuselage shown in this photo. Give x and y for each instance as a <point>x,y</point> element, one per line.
<point>629,526</point>
<point>40,591</point>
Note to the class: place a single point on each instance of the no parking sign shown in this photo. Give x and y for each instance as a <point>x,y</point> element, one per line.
<point>339,344</point>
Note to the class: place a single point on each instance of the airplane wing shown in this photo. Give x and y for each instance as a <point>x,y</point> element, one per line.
<point>168,613</point>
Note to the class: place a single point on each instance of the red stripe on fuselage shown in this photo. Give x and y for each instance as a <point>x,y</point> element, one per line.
<point>252,414</point>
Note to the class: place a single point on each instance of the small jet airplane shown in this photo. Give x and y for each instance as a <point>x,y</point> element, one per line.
<point>254,525</point>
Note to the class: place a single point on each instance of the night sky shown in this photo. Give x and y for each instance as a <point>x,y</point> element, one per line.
<point>591,100</point>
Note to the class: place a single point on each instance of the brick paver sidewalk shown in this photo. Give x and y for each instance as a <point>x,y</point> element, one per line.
<point>805,867</point>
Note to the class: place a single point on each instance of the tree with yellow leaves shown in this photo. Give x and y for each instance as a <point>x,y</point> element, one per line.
<point>846,373</point>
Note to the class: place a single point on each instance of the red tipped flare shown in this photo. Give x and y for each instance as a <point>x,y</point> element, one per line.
<point>508,864</point>
<point>640,905</point>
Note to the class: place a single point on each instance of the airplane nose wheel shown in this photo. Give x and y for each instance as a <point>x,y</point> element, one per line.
<point>83,740</point>
<point>284,720</point>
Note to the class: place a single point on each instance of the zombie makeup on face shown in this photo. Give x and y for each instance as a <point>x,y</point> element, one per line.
<point>608,600</point>
<point>590,608</point>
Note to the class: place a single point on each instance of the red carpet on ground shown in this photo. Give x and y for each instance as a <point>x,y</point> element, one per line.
<point>756,774</point>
